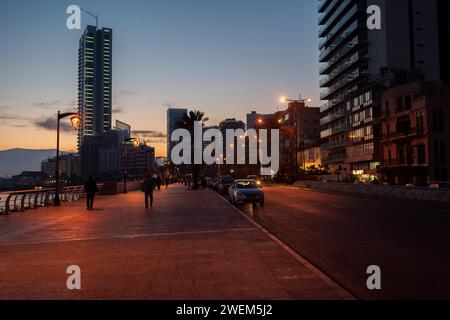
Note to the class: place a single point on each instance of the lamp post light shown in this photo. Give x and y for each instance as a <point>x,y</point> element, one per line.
<point>300,99</point>
<point>75,119</point>
<point>134,142</point>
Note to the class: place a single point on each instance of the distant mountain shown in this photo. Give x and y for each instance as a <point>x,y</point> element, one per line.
<point>14,161</point>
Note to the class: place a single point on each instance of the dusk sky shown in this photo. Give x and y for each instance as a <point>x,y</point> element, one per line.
<point>224,57</point>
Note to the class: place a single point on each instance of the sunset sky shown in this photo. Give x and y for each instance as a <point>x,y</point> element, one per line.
<point>225,58</point>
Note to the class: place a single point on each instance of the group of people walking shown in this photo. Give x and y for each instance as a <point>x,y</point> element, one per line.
<point>149,185</point>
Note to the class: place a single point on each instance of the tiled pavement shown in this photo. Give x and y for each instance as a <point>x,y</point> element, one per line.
<point>192,245</point>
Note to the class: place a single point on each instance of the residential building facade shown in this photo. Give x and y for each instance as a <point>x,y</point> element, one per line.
<point>69,166</point>
<point>415,127</point>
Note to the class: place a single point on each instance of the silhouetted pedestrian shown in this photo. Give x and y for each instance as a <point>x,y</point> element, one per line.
<point>149,186</point>
<point>90,187</point>
<point>158,183</point>
<point>167,182</point>
<point>203,182</point>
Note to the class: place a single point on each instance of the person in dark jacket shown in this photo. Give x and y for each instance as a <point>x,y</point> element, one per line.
<point>149,186</point>
<point>158,183</point>
<point>167,180</point>
<point>90,187</point>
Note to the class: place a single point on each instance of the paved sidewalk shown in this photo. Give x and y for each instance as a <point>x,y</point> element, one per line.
<point>193,245</point>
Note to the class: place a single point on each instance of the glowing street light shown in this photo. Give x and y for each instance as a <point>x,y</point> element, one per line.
<point>75,119</point>
<point>283,99</point>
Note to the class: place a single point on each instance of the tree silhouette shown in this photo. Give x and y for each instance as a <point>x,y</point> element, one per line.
<point>187,122</point>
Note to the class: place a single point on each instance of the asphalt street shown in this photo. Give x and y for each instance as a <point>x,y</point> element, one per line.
<point>343,235</point>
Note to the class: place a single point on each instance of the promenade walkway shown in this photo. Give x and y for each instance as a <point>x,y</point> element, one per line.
<point>192,245</point>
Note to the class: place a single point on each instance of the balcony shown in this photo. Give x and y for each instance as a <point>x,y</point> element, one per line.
<point>333,145</point>
<point>332,117</point>
<point>350,47</point>
<point>403,134</point>
<point>337,31</point>
<point>323,5</point>
<point>343,68</point>
<point>331,19</point>
<point>395,163</point>
<point>340,41</point>
<point>330,92</point>
<point>334,159</point>
<point>332,131</point>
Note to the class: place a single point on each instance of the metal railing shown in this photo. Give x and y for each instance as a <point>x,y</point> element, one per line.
<point>30,199</point>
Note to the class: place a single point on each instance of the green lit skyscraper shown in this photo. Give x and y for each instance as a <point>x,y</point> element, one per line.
<point>94,82</point>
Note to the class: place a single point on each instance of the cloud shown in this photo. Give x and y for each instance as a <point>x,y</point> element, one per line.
<point>118,109</point>
<point>155,140</point>
<point>46,104</point>
<point>13,120</point>
<point>8,117</point>
<point>149,134</point>
<point>168,105</point>
<point>127,92</point>
<point>19,121</point>
<point>49,123</point>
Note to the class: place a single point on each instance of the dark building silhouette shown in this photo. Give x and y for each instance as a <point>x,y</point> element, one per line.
<point>100,156</point>
<point>174,116</point>
<point>444,39</point>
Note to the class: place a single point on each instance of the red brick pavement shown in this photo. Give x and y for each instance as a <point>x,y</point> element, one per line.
<point>192,245</point>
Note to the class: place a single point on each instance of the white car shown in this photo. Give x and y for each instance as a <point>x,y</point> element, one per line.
<point>246,191</point>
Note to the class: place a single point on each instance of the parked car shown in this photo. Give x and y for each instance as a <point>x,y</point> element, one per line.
<point>224,183</point>
<point>246,191</point>
<point>256,178</point>
<point>211,182</point>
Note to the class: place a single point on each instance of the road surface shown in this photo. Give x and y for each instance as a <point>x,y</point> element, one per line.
<point>343,235</point>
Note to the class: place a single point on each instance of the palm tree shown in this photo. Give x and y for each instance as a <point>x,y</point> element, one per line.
<point>187,122</point>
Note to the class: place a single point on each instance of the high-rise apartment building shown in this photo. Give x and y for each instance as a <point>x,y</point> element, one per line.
<point>354,59</point>
<point>94,82</point>
<point>174,116</point>
<point>444,39</point>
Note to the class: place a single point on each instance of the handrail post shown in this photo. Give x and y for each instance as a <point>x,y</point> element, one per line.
<point>7,203</point>
<point>22,202</point>
<point>35,199</point>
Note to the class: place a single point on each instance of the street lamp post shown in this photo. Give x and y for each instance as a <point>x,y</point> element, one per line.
<point>76,122</point>
<point>134,142</point>
<point>300,99</point>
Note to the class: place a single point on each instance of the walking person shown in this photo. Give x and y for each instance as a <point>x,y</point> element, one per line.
<point>90,187</point>
<point>158,182</point>
<point>149,186</point>
<point>167,182</point>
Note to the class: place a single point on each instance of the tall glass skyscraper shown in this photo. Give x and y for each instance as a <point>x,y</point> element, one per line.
<point>94,82</point>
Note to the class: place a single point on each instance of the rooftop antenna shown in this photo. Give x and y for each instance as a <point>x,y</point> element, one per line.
<point>92,15</point>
